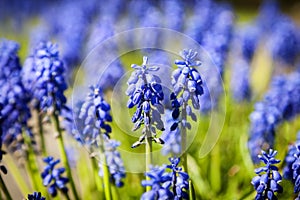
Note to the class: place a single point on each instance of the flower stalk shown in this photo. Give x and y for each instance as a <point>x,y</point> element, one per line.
<point>63,153</point>
<point>4,189</point>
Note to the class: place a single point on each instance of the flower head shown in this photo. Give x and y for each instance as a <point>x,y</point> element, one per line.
<point>159,183</point>
<point>36,196</point>
<point>296,170</point>
<point>95,112</point>
<point>290,158</point>
<point>14,98</point>
<point>186,80</point>
<point>52,177</point>
<point>146,94</point>
<point>114,162</point>
<point>167,182</point>
<point>44,76</point>
<point>266,183</point>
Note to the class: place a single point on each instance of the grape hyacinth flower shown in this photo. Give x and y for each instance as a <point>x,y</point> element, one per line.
<point>167,182</point>
<point>290,159</point>
<point>114,162</point>
<point>173,14</point>
<point>172,138</point>
<point>296,171</point>
<point>9,60</point>
<point>239,82</point>
<point>246,43</point>
<point>146,94</point>
<point>36,196</point>
<point>14,98</point>
<point>187,85</point>
<point>284,42</point>
<point>47,86</point>
<point>95,113</point>
<point>52,177</point>
<point>44,76</point>
<point>281,102</point>
<point>159,182</point>
<point>180,180</point>
<point>266,183</point>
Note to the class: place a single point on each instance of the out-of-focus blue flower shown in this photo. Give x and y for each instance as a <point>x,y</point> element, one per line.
<point>160,184</point>
<point>114,162</point>
<point>264,120</point>
<point>52,177</point>
<point>281,102</point>
<point>268,15</point>
<point>245,44</point>
<point>9,60</point>
<point>248,39</point>
<point>36,196</point>
<point>111,75</point>
<point>290,159</point>
<point>173,14</point>
<point>284,41</point>
<point>145,92</point>
<point>239,82</point>
<point>102,30</point>
<point>266,183</point>
<point>296,171</point>
<point>95,112</point>
<point>14,98</point>
<point>152,19</point>
<point>216,42</point>
<point>199,23</point>
<point>43,74</point>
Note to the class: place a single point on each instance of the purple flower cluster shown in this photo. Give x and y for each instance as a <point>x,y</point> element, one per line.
<point>114,162</point>
<point>43,75</point>
<point>14,98</point>
<point>280,103</point>
<point>167,185</point>
<point>52,177</point>
<point>95,114</point>
<point>146,95</point>
<point>266,183</point>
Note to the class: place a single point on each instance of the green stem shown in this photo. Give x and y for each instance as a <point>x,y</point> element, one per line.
<point>41,133</point>
<point>63,153</point>
<point>106,174</point>
<point>192,194</point>
<point>15,172</point>
<point>115,193</point>
<point>148,154</point>
<point>67,196</point>
<point>31,163</point>
<point>98,179</point>
<point>184,139</point>
<point>4,189</point>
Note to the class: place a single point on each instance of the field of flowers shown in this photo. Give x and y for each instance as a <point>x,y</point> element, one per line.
<point>150,100</point>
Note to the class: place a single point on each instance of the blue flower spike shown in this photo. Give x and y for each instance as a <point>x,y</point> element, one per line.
<point>95,113</point>
<point>171,184</point>
<point>146,94</point>
<point>266,183</point>
<point>36,196</point>
<point>52,177</point>
<point>296,171</point>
